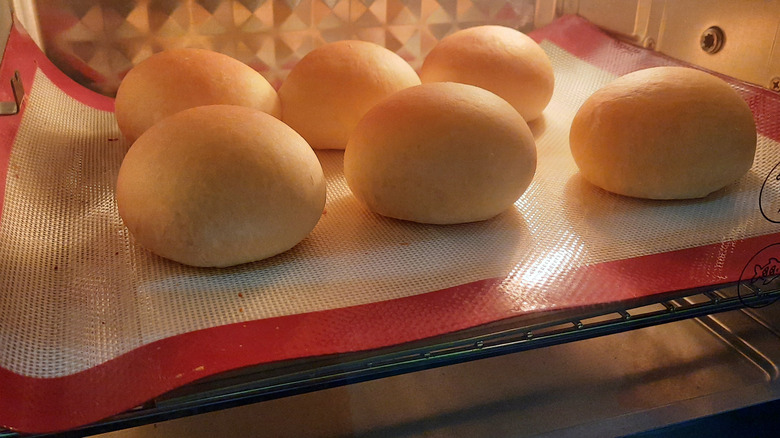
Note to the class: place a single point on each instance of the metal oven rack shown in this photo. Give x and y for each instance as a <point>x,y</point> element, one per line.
<point>266,382</point>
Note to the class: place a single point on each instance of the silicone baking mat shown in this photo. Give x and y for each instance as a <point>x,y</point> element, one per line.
<point>92,325</point>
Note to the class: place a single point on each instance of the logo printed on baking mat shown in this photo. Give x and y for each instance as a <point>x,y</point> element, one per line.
<point>761,275</point>
<point>769,197</point>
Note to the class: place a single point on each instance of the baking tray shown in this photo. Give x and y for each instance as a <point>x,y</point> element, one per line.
<point>581,268</point>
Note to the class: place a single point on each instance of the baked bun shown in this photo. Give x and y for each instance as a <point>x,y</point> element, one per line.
<point>170,81</point>
<point>664,133</point>
<point>220,185</point>
<point>440,153</point>
<point>332,87</point>
<point>496,58</point>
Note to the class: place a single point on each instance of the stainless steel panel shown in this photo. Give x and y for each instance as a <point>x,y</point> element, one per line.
<point>751,30</point>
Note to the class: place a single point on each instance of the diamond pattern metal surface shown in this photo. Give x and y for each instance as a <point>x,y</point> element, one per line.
<point>97,41</point>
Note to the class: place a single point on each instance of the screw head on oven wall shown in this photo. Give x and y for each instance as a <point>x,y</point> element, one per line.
<point>712,40</point>
<point>774,84</point>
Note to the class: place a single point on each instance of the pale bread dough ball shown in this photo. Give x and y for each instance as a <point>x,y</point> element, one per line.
<point>220,185</point>
<point>332,87</point>
<point>664,133</point>
<point>440,153</point>
<point>499,59</point>
<point>176,79</point>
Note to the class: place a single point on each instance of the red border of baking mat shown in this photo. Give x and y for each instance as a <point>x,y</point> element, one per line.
<point>41,405</point>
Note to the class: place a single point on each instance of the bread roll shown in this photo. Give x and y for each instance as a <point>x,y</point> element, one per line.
<point>332,87</point>
<point>440,153</point>
<point>220,185</point>
<point>170,81</point>
<point>496,58</point>
<point>664,133</point>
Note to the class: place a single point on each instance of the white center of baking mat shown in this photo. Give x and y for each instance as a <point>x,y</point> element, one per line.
<point>76,290</point>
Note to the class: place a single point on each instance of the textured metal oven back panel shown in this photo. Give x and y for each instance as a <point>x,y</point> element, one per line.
<point>98,41</point>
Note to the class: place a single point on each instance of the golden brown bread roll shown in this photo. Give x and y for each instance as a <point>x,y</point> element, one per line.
<point>664,133</point>
<point>332,87</point>
<point>440,153</point>
<point>496,58</point>
<point>220,185</point>
<point>176,79</point>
